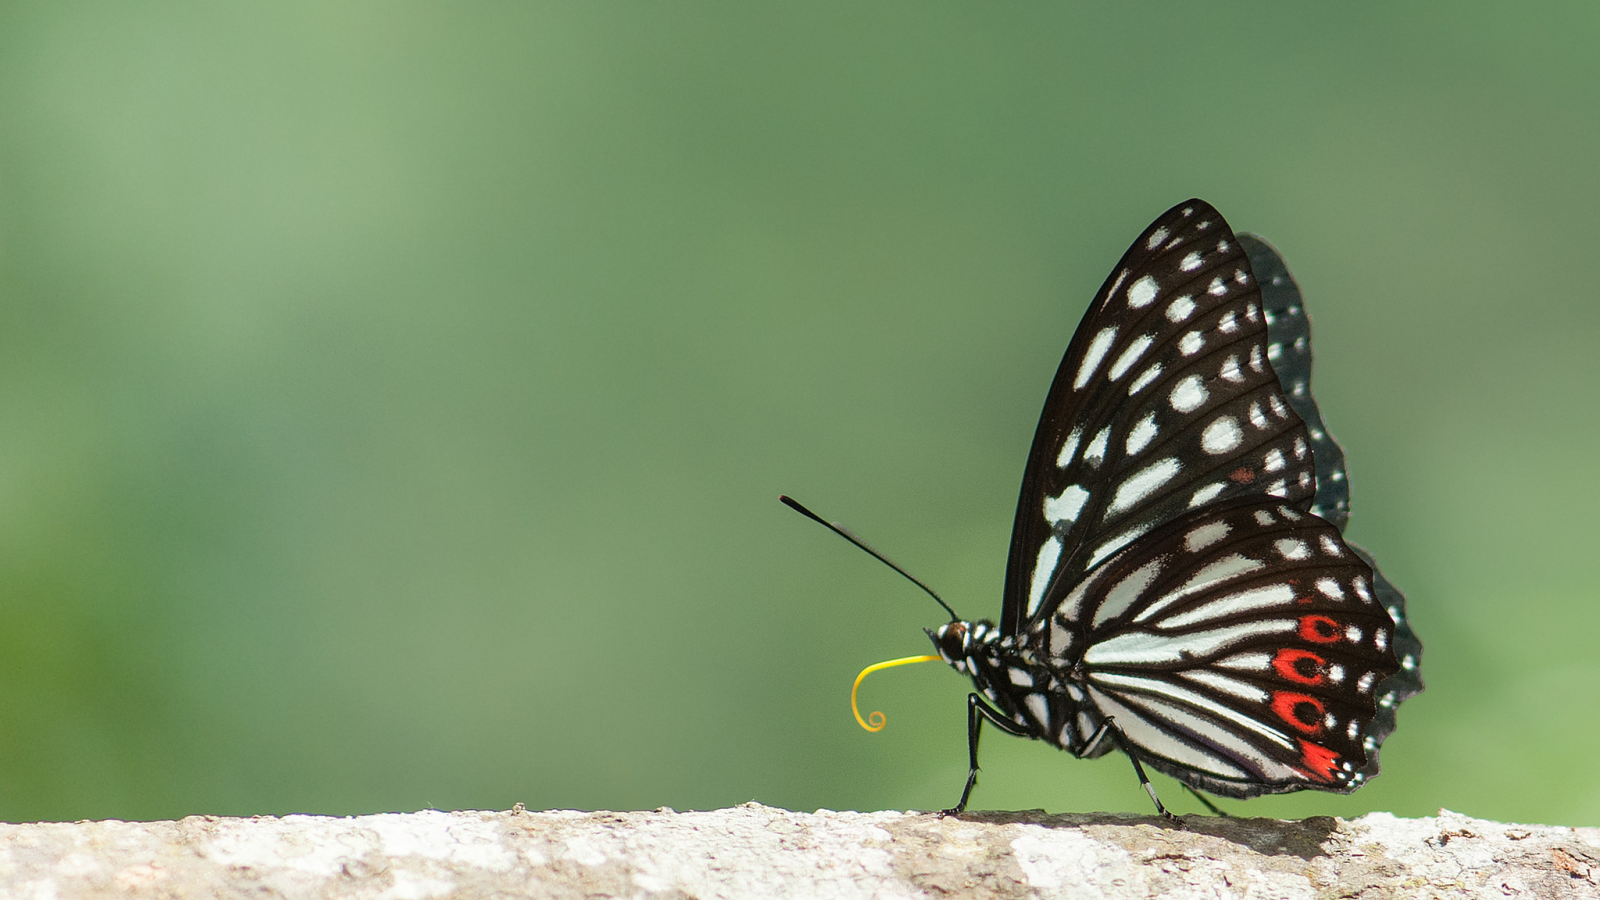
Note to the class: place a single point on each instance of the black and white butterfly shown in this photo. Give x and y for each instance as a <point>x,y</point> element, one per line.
<point>1178,585</point>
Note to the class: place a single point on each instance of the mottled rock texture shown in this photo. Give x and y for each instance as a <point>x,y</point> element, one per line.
<point>760,852</point>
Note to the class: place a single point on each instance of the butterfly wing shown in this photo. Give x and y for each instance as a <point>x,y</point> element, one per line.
<point>1163,402</point>
<point>1238,648</point>
<point>1289,351</point>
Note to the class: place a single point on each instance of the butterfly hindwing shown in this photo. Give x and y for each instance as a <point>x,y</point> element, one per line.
<point>1239,648</point>
<point>1407,679</point>
<point>1289,352</point>
<point>1164,402</point>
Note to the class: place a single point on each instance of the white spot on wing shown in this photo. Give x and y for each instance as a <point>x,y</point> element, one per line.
<point>1180,308</point>
<point>1125,592</point>
<point>1065,508</point>
<point>1020,677</point>
<point>1206,494</point>
<point>1188,394</point>
<point>1206,535</point>
<point>1060,639</point>
<point>1221,436</point>
<point>1156,237</point>
<point>1265,519</point>
<point>1049,555</point>
<point>1096,451</point>
<point>1292,548</point>
<point>1275,461</point>
<point>1117,543</point>
<point>1246,662</point>
<point>1130,356</point>
<point>1070,448</point>
<point>1269,597</point>
<point>1190,262</point>
<point>1232,686</point>
<point>1190,343</point>
<point>1230,370</point>
<point>1145,377</point>
<point>1093,356</point>
<point>1142,292</point>
<point>1330,588</point>
<point>1117,285</point>
<point>1142,483</point>
<point>1141,434</point>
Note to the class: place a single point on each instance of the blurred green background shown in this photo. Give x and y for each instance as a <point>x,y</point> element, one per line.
<point>394,397</point>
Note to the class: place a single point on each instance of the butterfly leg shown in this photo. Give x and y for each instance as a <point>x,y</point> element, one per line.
<point>1109,727</point>
<point>977,711</point>
<point>1207,801</point>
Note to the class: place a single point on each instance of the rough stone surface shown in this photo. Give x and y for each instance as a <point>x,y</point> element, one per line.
<point>760,852</point>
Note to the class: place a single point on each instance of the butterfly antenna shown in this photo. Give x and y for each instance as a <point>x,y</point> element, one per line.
<point>845,533</point>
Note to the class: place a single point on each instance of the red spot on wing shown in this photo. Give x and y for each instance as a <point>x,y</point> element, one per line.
<point>1294,665</point>
<point>1243,475</point>
<point>1317,762</point>
<point>1296,709</point>
<point>1320,629</point>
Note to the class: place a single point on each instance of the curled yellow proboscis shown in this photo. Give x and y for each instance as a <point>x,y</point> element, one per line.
<point>876,718</point>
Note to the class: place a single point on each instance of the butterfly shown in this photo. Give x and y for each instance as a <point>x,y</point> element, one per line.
<point>1178,586</point>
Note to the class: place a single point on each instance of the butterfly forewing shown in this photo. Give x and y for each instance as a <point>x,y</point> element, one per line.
<point>1239,648</point>
<point>1165,401</point>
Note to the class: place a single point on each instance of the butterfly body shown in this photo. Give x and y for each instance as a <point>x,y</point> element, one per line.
<point>1040,695</point>
<point>1178,584</point>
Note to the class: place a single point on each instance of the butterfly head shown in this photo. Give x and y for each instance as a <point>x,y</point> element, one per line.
<point>957,641</point>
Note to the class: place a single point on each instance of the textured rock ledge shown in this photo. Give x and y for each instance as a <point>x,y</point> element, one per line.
<point>760,852</point>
